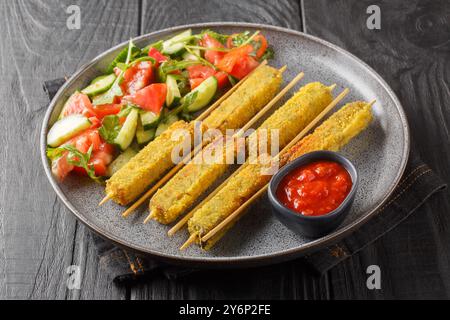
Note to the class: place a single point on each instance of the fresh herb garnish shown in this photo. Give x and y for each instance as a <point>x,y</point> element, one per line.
<point>110,128</point>
<point>173,65</point>
<point>222,38</point>
<point>268,54</point>
<point>75,157</point>
<point>122,57</point>
<point>240,38</point>
<point>116,90</point>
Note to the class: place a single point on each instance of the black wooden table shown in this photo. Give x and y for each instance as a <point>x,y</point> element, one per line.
<point>39,237</point>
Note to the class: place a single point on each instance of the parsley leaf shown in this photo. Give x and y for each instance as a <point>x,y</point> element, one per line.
<point>222,38</point>
<point>75,157</point>
<point>110,128</point>
<point>268,54</point>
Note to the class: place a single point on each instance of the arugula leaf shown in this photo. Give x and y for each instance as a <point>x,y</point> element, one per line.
<point>174,65</point>
<point>222,38</point>
<point>268,54</point>
<point>75,157</point>
<point>240,38</point>
<point>110,128</point>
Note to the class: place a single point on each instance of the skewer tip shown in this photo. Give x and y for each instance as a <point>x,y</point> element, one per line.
<point>104,200</point>
<point>332,87</point>
<point>372,102</point>
<point>189,242</point>
<point>283,69</point>
<point>149,217</point>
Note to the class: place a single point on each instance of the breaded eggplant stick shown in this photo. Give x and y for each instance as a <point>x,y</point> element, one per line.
<point>331,135</point>
<point>196,177</point>
<point>155,159</point>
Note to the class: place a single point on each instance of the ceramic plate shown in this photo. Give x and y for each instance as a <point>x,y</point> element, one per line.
<point>380,155</point>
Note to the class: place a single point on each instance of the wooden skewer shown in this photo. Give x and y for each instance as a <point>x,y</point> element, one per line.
<point>104,200</point>
<point>201,117</point>
<point>189,215</point>
<point>178,167</point>
<point>236,213</point>
<point>189,241</point>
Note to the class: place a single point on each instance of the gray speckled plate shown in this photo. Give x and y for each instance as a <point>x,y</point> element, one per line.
<point>380,154</point>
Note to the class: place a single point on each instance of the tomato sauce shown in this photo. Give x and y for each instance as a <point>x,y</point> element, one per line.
<point>315,189</point>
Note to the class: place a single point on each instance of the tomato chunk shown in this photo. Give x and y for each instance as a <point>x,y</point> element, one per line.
<point>104,110</point>
<point>78,103</point>
<point>212,56</point>
<point>243,67</point>
<point>231,58</point>
<point>259,44</point>
<point>102,154</point>
<point>150,98</point>
<point>137,77</point>
<point>199,73</point>
<point>158,56</point>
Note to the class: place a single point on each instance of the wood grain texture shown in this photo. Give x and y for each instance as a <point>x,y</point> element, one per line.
<point>284,13</point>
<point>286,281</point>
<point>411,52</point>
<point>39,237</point>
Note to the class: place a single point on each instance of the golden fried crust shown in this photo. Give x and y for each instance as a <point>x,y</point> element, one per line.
<point>336,131</point>
<point>147,166</point>
<point>190,182</point>
<point>235,192</point>
<point>296,113</point>
<point>260,87</point>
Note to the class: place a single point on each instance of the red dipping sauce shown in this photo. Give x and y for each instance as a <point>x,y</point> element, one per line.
<point>315,189</point>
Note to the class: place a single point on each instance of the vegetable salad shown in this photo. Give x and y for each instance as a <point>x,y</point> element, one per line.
<point>144,91</point>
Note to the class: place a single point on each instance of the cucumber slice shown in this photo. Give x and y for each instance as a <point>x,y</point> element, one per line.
<point>99,78</point>
<point>128,130</point>
<point>100,85</point>
<point>206,91</point>
<point>144,136</point>
<point>166,124</point>
<point>176,44</point>
<point>173,93</point>
<point>190,56</point>
<point>67,128</point>
<point>120,161</point>
<point>149,119</point>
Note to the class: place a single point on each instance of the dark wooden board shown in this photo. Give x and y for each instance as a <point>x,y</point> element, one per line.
<point>411,51</point>
<point>39,237</point>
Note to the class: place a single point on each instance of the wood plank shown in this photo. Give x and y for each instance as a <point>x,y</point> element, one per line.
<point>285,281</point>
<point>284,13</point>
<point>39,237</point>
<point>411,52</point>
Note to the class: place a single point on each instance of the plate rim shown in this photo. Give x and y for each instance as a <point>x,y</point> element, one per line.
<point>224,262</point>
